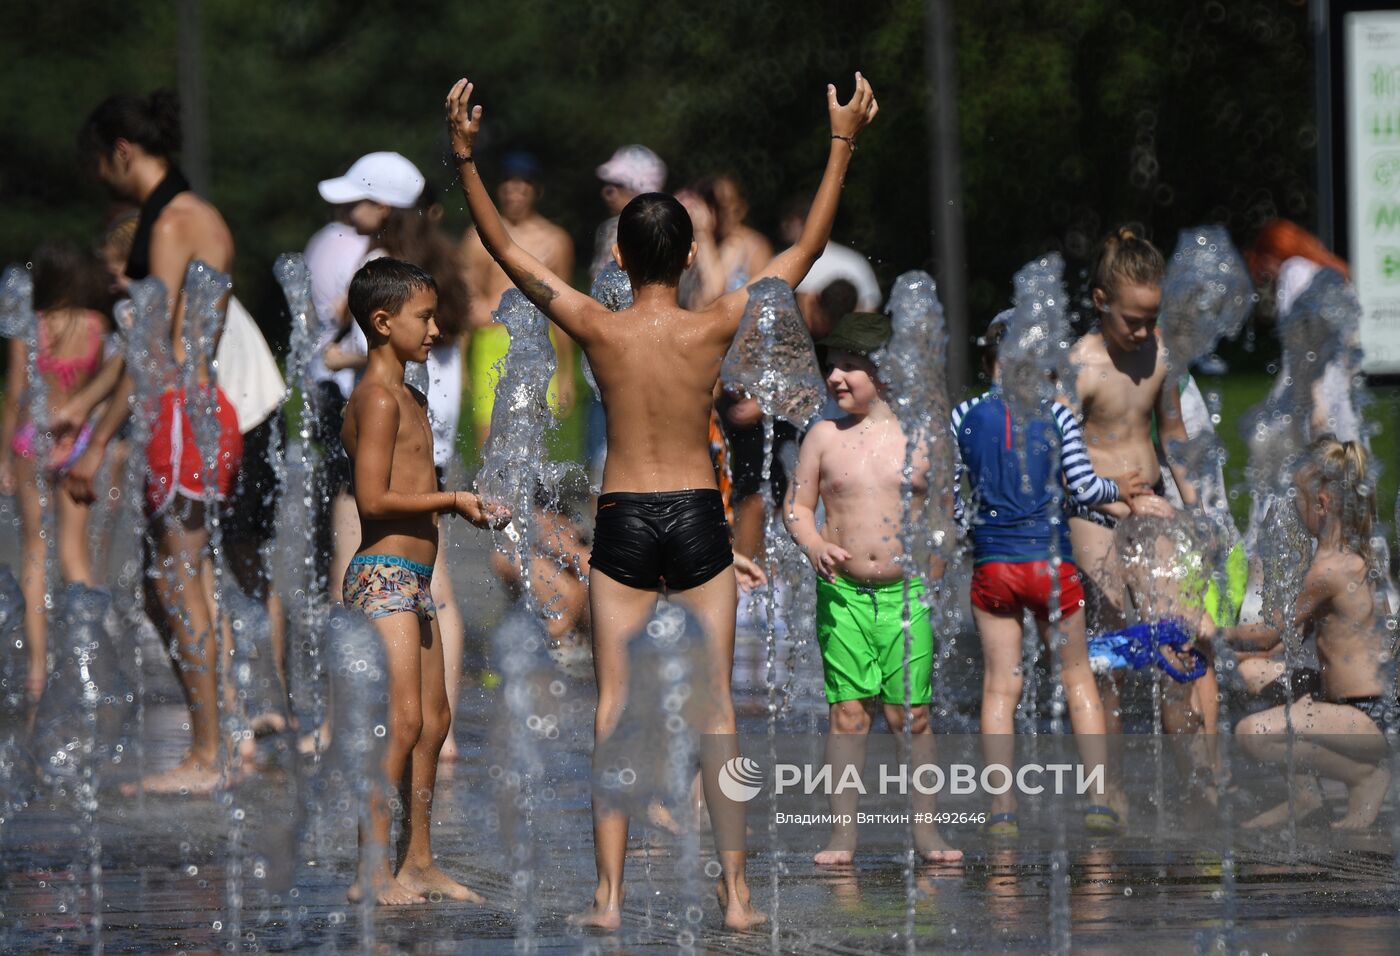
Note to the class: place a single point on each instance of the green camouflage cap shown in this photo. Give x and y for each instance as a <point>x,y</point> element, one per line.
<point>860,332</point>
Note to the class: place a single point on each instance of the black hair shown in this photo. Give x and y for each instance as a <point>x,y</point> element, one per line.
<point>412,235</point>
<point>654,234</point>
<point>384,284</point>
<point>838,298</point>
<point>151,122</point>
<point>67,276</point>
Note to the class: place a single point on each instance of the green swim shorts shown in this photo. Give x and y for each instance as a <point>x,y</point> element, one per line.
<point>860,629</point>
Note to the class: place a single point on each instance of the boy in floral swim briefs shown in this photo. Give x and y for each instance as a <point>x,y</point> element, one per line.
<point>390,445</point>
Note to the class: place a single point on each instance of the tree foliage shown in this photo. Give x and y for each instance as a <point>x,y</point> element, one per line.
<point>1075,114</point>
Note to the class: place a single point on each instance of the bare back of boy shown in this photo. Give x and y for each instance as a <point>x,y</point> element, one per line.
<point>656,365</point>
<point>414,537</point>
<point>860,476</point>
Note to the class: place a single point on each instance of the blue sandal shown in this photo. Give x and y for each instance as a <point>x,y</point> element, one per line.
<point>1101,819</point>
<point>1003,825</point>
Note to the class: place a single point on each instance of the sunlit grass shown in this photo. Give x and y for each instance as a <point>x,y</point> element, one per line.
<point>1239,392</point>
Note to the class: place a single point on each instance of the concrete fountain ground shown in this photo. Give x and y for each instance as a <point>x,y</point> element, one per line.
<point>164,873</point>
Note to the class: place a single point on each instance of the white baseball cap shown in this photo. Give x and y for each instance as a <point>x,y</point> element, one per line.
<point>387,178</point>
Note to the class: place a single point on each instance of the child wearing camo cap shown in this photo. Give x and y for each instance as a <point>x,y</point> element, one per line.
<point>855,466</point>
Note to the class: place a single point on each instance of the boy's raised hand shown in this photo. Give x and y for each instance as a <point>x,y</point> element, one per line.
<point>463,119</point>
<point>849,119</point>
<point>827,558</point>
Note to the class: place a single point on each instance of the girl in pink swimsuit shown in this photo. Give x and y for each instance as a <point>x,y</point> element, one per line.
<point>70,299</point>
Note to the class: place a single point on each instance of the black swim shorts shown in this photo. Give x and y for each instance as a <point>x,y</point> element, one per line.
<point>1304,681</point>
<point>250,514</point>
<point>746,454</point>
<point>1383,711</point>
<point>677,537</point>
<point>326,425</point>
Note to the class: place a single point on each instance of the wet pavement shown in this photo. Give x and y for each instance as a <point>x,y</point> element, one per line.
<point>241,871</point>
<point>164,881</point>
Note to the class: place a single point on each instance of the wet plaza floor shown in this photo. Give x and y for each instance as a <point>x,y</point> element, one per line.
<point>164,881</point>
<point>167,874</point>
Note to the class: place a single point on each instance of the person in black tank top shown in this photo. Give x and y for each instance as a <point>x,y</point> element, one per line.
<point>130,142</point>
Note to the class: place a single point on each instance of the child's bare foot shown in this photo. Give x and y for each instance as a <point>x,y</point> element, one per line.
<point>604,914</point>
<point>840,849</point>
<point>387,892</point>
<point>739,913</point>
<point>836,853</point>
<point>1364,800</point>
<point>268,723</point>
<point>933,848</point>
<point>1306,802</point>
<point>434,885</point>
<point>189,776</point>
<point>659,815</point>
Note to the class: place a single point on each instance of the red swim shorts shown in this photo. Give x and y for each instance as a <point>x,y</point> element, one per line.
<point>1001,587</point>
<point>173,460</point>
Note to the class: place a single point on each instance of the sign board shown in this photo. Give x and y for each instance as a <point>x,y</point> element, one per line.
<point>1370,68</point>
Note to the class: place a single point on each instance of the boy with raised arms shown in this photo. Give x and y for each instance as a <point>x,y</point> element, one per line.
<point>660,518</point>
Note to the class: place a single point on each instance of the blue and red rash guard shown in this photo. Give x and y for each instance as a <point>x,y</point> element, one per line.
<point>1020,507</point>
